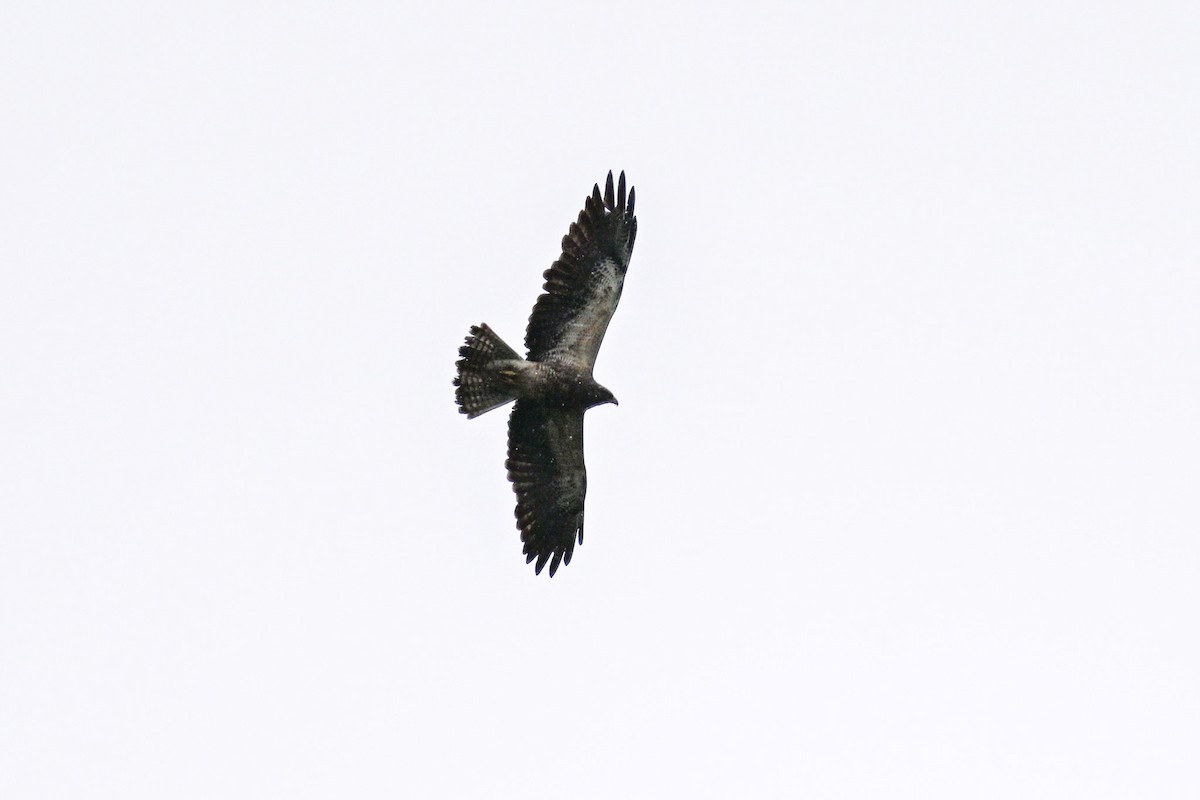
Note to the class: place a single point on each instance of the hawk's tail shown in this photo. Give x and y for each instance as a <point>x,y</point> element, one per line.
<point>482,387</point>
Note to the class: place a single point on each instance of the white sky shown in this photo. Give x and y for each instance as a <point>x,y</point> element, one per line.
<point>900,500</point>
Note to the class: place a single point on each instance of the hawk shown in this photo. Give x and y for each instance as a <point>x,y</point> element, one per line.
<point>553,384</point>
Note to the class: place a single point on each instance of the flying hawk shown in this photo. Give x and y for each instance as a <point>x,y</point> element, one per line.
<point>553,384</point>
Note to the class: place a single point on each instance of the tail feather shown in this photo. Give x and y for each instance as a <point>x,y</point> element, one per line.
<point>480,388</point>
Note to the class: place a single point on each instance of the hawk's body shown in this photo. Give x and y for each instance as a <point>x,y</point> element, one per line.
<point>553,385</point>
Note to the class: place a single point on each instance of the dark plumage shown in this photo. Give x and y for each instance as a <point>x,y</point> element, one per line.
<point>553,385</point>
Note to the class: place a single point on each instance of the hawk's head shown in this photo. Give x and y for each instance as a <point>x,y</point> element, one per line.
<point>599,396</point>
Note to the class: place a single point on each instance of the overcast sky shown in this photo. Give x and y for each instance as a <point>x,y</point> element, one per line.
<point>901,499</point>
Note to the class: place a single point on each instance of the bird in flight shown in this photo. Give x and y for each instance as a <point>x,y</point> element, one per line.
<point>553,384</point>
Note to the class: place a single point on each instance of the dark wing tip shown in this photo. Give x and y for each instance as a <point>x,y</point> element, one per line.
<point>615,200</point>
<point>555,557</point>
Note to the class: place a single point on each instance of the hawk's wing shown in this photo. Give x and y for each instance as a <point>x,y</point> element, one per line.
<point>545,465</point>
<point>584,284</point>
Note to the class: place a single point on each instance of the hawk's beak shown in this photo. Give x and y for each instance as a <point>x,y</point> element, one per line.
<point>615,403</point>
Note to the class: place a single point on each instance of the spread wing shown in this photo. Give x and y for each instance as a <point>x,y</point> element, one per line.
<point>545,465</point>
<point>584,284</point>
